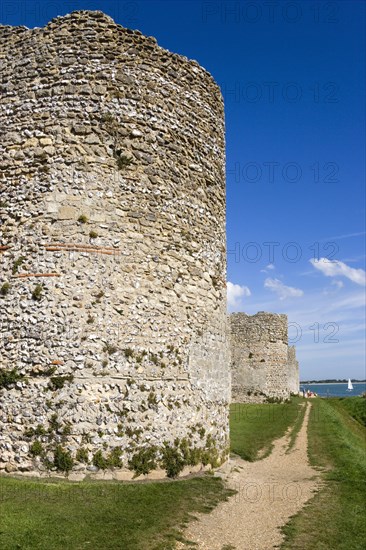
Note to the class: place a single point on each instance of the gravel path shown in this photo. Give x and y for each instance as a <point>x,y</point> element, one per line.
<point>270,491</point>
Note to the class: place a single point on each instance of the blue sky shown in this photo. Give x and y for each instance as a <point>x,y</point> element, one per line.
<point>293,80</point>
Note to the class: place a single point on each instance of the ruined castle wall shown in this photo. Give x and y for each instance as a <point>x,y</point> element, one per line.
<point>293,371</point>
<point>259,356</point>
<point>112,250</point>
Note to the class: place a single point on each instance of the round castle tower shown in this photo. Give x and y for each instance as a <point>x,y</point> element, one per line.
<point>261,366</point>
<point>113,350</point>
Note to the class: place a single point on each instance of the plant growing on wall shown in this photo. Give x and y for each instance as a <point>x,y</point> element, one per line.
<point>143,461</point>
<point>58,382</point>
<point>17,263</point>
<point>62,459</point>
<point>37,293</point>
<point>112,460</point>
<point>82,455</point>
<point>7,378</point>
<point>111,125</point>
<point>4,289</point>
<point>123,161</point>
<point>172,460</point>
<point>110,348</point>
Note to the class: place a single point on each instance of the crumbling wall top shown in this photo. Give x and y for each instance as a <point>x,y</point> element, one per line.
<point>76,22</point>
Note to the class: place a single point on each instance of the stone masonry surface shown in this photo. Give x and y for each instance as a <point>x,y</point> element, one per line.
<point>112,250</point>
<point>262,364</point>
<point>293,370</point>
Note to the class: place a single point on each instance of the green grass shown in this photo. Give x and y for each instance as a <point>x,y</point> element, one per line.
<point>253,428</point>
<point>335,517</point>
<point>355,406</point>
<point>39,515</point>
<point>296,427</point>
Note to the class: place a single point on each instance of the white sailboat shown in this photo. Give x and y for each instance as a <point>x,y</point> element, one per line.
<point>350,385</point>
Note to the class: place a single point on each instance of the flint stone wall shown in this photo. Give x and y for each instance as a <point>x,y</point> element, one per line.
<point>260,357</point>
<point>293,371</point>
<point>112,244</point>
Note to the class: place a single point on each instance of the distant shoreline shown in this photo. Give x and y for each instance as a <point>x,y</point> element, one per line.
<point>327,383</point>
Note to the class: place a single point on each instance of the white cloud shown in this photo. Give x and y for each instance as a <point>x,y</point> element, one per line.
<point>334,288</point>
<point>338,284</point>
<point>268,267</point>
<point>349,302</point>
<point>321,319</point>
<point>282,290</point>
<point>336,268</point>
<point>346,236</point>
<point>235,293</point>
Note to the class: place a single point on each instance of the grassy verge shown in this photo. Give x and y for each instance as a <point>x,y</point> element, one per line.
<point>254,427</point>
<point>355,406</point>
<point>335,517</point>
<point>36,515</point>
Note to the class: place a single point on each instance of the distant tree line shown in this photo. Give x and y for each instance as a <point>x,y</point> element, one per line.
<point>330,380</point>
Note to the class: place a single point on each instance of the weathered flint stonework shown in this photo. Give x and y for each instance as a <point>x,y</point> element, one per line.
<point>262,366</point>
<point>293,370</point>
<point>113,295</point>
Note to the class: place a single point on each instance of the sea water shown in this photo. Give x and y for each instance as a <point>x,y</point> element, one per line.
<point>335,389</point>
